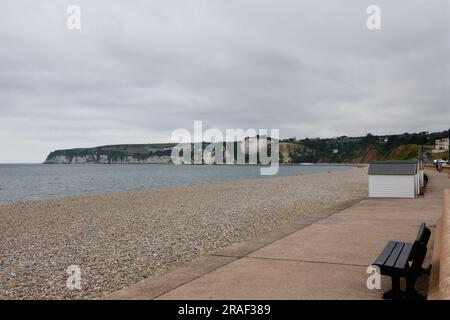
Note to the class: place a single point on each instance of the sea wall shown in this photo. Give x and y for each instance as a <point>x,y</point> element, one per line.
<point>439,287</point>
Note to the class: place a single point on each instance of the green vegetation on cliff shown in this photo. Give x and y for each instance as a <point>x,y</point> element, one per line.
<point>333,150</point>
<point>358,149</point>
<point>113,153</point>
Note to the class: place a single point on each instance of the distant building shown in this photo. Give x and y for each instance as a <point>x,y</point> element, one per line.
<point>442,144</point>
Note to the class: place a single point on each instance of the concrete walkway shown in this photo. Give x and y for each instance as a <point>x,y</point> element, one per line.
<point>324,259</point>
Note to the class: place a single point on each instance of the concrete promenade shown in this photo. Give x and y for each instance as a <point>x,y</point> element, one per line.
<point>323,259</point>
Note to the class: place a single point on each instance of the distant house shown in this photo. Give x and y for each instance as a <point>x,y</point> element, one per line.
<point>395,179</point>
<point>442,144</point>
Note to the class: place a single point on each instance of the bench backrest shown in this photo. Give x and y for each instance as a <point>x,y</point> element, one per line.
<point>424,234</point>
<point>419,249</point>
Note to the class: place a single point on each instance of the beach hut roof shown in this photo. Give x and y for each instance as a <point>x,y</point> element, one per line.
<point>393,167</point>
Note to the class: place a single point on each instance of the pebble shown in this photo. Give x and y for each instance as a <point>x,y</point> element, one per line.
<point>119,239</point>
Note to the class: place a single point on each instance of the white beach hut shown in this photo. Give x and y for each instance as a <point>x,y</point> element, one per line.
<point>395,179</point>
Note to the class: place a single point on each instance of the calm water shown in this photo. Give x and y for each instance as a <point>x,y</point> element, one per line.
<point>39,181</point>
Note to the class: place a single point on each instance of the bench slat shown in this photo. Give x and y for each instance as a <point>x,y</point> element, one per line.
<point>403,258</point>
<point>394,255</point>
<point>384,255</point>
<point>421,232</point>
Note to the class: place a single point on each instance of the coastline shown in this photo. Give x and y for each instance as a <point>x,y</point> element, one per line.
<point>30,182</point>
<point>120,238</point>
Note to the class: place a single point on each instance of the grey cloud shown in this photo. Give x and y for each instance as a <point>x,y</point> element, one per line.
<point>136,71</point>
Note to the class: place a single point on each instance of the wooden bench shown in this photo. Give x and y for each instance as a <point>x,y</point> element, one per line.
<point>400,259</point>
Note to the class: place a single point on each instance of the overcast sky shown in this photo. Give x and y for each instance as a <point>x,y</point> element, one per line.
<point>137,70</point>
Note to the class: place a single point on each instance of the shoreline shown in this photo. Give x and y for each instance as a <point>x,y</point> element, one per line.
<point>166,163</point>
<point>256,178</point>
<point>121,238</point>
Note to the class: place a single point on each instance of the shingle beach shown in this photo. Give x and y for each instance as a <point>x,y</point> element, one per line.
<point>121,238</point>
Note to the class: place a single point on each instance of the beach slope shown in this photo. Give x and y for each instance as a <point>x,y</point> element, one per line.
<point>121,238</point>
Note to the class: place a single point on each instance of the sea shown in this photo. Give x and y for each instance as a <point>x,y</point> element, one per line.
<point>25,182</point>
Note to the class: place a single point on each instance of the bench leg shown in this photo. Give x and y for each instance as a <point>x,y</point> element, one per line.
<point>426,271</point>
<point>411,292</point>
<point>395,293</point>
